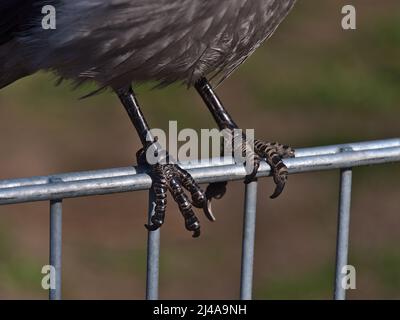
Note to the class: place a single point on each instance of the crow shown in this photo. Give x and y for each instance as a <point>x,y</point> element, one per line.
<point>117,43</point>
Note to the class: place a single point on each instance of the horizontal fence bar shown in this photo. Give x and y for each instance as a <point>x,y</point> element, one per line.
<point>355,146</point>
<point>127,171</point>
<point>117,180</point>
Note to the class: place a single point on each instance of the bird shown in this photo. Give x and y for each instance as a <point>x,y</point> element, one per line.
<point>118,44</point>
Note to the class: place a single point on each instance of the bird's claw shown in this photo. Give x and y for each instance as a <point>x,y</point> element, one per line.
<point>214,190</point>
<point>152,227</point>
<point>173,178</point>
<point>280,181</point>
<point>252,176</point>
<point>274,153</point>
<point>193,225</point>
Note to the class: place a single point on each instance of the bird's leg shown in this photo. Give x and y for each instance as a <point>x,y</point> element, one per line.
<point>273,152</point>
<point>165,173</point>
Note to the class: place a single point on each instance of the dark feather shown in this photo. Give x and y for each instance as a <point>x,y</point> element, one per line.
<point>116,42</point>
<point>16,17</point>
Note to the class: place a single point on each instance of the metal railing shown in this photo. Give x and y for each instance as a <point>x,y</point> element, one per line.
<point>57,187</point>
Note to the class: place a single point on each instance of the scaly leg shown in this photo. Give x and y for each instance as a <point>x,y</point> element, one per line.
<point>166,174</point>
<point>273,153</point>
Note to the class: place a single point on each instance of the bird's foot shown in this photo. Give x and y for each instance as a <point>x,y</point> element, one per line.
<point>171,177</point>
<point>255,151</point>
<point>273,153</point>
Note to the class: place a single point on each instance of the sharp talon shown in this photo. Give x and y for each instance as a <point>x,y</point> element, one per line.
<point>172,178</point>
<point>196,233</point>
<point>280,185</point>
<point>215,190</point>
<point>273,153</point>
<point>193,226</point>
<point>152,227</point>
<point>250,178</point>
<point>277,192</point>
<point>208,211</point>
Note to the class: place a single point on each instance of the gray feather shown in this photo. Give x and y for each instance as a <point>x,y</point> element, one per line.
<point>116,42</point>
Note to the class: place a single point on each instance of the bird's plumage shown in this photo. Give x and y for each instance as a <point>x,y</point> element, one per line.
<point>115,42</point>
<point>16,17</point>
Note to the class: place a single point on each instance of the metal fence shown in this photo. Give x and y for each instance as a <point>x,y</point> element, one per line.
<point>57,187</point>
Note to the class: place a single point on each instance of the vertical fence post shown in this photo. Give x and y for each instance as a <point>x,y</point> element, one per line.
<point>343,231</point>
<point>249,230</point>
<point>56,246</point>
<point>153,255</point>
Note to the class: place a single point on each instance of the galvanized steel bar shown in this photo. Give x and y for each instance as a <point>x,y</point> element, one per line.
<point>343,232</point>
<point>129,171</point>
<point>219,171</point>
<point>153,255</point>
<point>355,146</point>
<point>55,247</point>
<point>99,182</point>
<point>248,243</point>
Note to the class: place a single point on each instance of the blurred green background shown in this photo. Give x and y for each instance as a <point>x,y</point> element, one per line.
<point>313,83</point>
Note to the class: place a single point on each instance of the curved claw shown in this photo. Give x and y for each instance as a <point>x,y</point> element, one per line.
<point>196,233</point>
<point>214,190</point>
<point>194,226</point>
<point>278,190</point>
<point>208,210</point>
<point>280,181</point>
<point>273,153</point>
<point>252,176</point>
<point>156,222</point>
<point>152,227</point>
